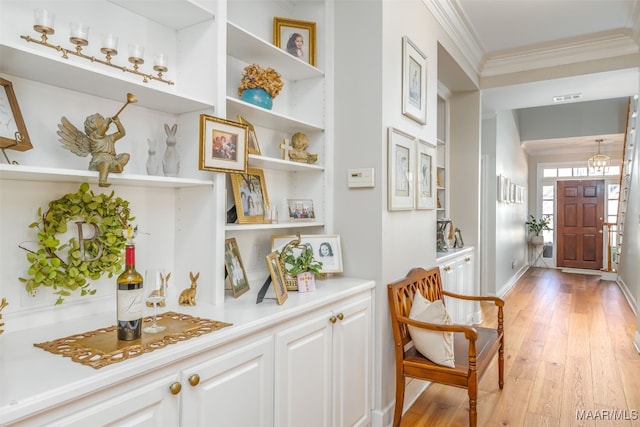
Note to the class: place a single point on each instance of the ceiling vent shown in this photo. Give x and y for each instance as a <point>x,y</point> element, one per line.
<point>565,98</point>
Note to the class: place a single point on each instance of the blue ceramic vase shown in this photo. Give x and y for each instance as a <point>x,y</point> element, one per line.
<point>258,96</point>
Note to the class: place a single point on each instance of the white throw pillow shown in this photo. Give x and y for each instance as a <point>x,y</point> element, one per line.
<point>435,346</point>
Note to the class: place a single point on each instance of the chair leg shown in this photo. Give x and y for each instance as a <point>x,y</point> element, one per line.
<point>501,364</point>
<point>397,412</point>
<point>473,402</point>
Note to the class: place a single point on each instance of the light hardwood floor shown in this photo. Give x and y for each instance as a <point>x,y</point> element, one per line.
<point>568,355</point>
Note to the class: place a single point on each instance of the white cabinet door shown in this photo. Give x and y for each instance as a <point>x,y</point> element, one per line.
<point>352,350</point>
<point>458,276</point>
<point>467,287</point>
<point>303,373</point>
<point>233,388</point>
<point>140,404</point>
<point>449,277</point>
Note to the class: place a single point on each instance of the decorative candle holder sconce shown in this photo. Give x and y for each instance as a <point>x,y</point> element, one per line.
<point>79,35</point>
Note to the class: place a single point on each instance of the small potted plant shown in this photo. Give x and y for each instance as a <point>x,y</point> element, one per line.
<point>259,86</point>
<point>303,266</point>
<point>536,226</point>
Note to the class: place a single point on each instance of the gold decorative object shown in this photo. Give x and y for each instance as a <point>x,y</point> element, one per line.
<point>101,347</point>
<point>96,141</point>
<point>188,296</point>
<point>3,304</point>
<point>79,37</point>
<point>299,153</point>
<point>165,283</point>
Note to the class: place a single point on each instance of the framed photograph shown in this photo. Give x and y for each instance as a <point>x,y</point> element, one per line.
<point>426,176</point>
<point>236,273</point>
<point>13,132</point>
<point>326,249</point>
<point>298,38</point>
<point>223,145</point>
<point>250,195</point>
<point>301,210</point>
<point>414,82</point>
<point>277,277</point>
<point>457,236</point>
<point>254,148</point>
<point>401,164</point>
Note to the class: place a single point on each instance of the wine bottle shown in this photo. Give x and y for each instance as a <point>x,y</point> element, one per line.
<point>130,296</point>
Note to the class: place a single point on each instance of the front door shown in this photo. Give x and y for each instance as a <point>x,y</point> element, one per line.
<point>579,227</point>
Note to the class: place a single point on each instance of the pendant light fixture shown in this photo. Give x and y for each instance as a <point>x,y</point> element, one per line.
<point>598,163</point>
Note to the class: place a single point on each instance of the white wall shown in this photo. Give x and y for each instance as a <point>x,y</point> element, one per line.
<point>510,218</point>
<point>629,270</point>
<point>377,243</point>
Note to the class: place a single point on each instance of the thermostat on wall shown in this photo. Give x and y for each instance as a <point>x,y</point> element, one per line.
<point>360,178</point>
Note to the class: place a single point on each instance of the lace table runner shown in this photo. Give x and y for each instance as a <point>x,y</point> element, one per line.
<point>101,347</point>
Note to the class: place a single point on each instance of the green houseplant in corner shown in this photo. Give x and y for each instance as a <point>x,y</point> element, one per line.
<point>536,226</point>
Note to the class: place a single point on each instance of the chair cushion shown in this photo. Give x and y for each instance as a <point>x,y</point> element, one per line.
<point>435,346</point>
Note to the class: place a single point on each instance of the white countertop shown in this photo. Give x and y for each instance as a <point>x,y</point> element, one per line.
<point>32,379</point>
<point>452,253</point>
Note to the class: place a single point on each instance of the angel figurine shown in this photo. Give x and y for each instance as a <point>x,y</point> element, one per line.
<point>95,140</point>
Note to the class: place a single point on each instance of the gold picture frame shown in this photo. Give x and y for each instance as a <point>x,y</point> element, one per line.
<point>287,31</point>
<point>223,145</point>
<point>236,274</point>
<point>250,195</point>
<point>277,277</point>
<point>254,147</point>
<point>13,132</point>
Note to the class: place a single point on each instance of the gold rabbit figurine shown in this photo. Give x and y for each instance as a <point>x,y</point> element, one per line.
<point>160,292</point>
<point>188,296</point>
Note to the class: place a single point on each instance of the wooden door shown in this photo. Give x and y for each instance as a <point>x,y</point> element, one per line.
<point>579,226</point>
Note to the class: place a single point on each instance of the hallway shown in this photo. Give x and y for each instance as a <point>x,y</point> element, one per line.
<point>569,360</point>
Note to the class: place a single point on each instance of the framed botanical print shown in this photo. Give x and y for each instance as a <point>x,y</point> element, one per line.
<point>223,145</point>
<point>250,195</point>
<point>414,82</point>
<point>296,37</point>
<point>426,175</point>
<point>401,165</point>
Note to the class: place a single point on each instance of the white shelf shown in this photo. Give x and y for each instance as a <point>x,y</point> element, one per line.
<point>282,165</point>
<point>172,14</point>
<point>36,173</point>
<point>47,66</point>
<point>258,116</point>
<point>249,48</point>
<point>280,225</point>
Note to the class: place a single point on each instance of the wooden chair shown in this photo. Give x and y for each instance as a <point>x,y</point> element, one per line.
<point>474,346</point>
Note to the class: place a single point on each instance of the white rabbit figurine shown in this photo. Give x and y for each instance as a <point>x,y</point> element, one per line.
<point>153,164</point>
<point>171,160</point>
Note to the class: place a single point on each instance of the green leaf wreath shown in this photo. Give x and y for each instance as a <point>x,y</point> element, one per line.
<point>85,260</point>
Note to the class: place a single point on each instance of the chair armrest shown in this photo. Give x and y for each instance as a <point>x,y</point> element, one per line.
<point>499,302</point>
<point>470,333</point>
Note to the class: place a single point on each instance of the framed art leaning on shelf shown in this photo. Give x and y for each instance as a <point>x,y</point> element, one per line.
<point>13,132</point>
<point>250,195</point>
<point>425,176</point>
<point>234,267</point>
<point>223,145</point>
<point>296,37</point>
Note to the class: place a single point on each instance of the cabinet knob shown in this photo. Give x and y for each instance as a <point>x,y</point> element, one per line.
<point>175,388</point>
<point>194,380</point>
<point>447,268</point>
<point>340,316</point>
<point>467,259</point>
<point>333,319</point>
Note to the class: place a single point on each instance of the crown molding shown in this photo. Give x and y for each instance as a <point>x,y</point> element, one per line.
<point>595,48</point>
<point>452,20</point>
